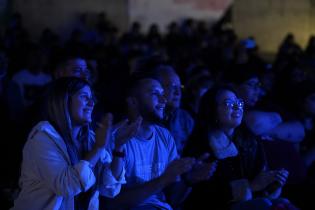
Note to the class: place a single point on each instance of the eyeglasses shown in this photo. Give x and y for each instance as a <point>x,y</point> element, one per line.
<point>239,104</point>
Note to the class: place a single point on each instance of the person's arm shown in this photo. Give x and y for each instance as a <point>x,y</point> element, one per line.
<point>54,170</point>
<point>260,123</point>
<point>117,163</point>
<point>270,183</point>
<point>133,196</point>
<point>177,192</point>
<point>112,174</point>
<point>292,131</point>
<point>112,169</point>
<point>122,133</point>
<point>102,136</point>
<point>270,124</point>
<point>129,197</point>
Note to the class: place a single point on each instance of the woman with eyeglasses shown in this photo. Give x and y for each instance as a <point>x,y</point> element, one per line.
<point>242,180</point>
<point>66,165</point>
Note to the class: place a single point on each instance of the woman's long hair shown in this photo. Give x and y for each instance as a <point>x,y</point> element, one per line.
<point>58,105</point>
<point>207,120</point>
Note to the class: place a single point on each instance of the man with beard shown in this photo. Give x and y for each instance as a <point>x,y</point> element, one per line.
<point>179,122</point>
<point>153,168</point>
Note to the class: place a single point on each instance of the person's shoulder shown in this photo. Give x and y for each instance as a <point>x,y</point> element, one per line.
<point>185,117</point>
<point>183,112</point>
<point>221,145</point>
<point>43,127</point>
<point>161,130</point>
<point>163,133</point>
<point>217,137</point>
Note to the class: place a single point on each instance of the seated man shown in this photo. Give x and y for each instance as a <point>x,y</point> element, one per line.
<point>268,125</point>
<point>153,168</point>
<point>179,122</point>
<point>72,66</point>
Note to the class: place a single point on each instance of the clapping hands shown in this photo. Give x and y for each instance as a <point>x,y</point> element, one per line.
<point>176,168</point>
<point>201,171</point>
<point>125,130</point>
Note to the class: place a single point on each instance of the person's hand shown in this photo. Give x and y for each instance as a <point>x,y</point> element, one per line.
<point>103,131</point>
<point>126,131</point>
<point>274,190</point>
<point>275,194</point>
<point>282,176</point>
<point>176,168</point>
<point>201,170</point>
<point>262,180</point>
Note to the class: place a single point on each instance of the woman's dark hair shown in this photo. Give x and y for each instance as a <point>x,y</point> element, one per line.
<point>57,106</point>
<point>207,115</point>
<point>206,121</point>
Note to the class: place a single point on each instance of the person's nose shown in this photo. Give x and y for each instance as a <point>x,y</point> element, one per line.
<point>237,106</point>
<point>91,102</point>
<point>162,99</point>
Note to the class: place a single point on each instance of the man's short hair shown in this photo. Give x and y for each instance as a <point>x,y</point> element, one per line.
<point>135,81</point>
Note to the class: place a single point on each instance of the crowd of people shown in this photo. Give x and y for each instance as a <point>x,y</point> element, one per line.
<point>145,120</point>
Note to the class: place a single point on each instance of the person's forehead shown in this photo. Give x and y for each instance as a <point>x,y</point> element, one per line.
<point>77,62</point>
<point>170,78</point>
<point>225,94</point>
<point>150,84</point>
<point>85,89</point>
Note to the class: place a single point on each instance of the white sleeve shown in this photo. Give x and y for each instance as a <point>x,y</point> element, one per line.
<point>109,186</point>
<point>54,170</point>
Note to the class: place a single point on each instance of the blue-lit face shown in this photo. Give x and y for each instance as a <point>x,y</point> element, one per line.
<point>249,91</point>
<point>172,88</point>
<point>151,101</point>
<point>82,104</point>
<point>77,68</point>
<point>229,109</point>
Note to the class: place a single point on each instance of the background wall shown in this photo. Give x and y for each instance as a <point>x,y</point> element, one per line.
<point>60,15</point>
<point>165,11</point>
<point>267,20</point>
<point>270,20</point>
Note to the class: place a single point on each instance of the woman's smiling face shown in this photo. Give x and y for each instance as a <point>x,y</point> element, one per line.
<point>229,109</point>
<point>82,104</point>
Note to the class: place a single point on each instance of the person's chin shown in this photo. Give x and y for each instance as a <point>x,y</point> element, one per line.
<point>156,118</point>
<point>88,120</point>
<point>173,106</point>
<point>236,123</point>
